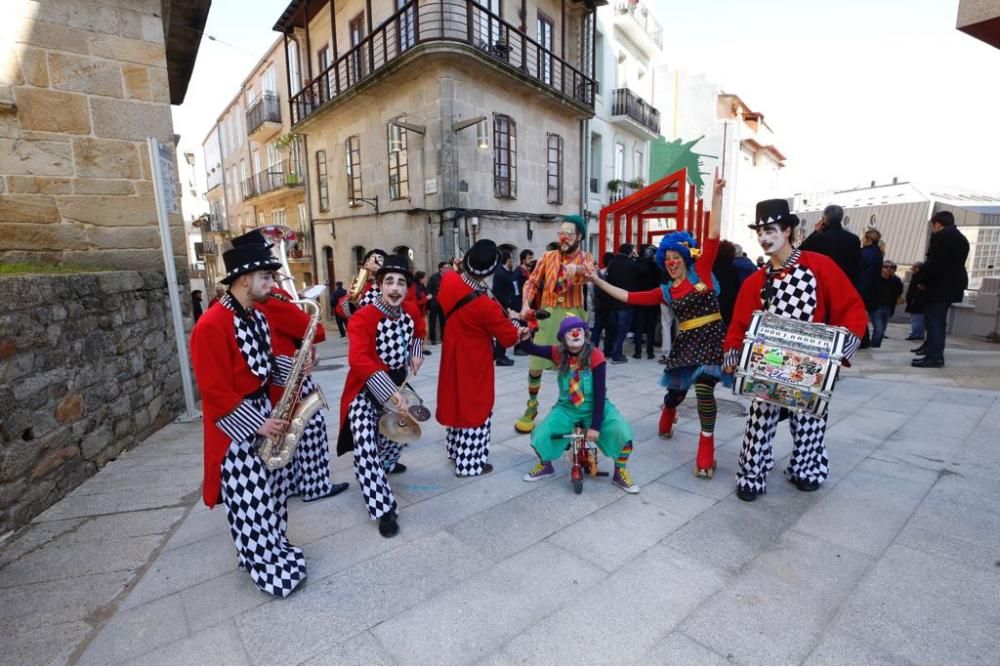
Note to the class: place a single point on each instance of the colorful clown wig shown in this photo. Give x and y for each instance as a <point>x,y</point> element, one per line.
<point>681,242</point>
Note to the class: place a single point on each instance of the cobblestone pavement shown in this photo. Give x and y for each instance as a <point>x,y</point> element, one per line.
<point>896,559</point>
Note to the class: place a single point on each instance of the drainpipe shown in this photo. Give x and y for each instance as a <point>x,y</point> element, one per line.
<point>309,212</point>
<point>584,174</point>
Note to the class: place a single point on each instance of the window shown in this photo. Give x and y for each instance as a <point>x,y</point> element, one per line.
<point>294,74</point>
<point>240,134</point>
<point>324,57</point>
<point>406,27</point>
<point>545,31</point>
<point>352,154</point>
<point>356,30</point>
<point>303,246</point>
<point>554,169</point>
<point>322,185</point>
<point>486,23</point>
<point>245,188</point>
<point>278,217</point>
<point>261,219</point>
<point>619,161</point>
<point>399,185</point>
<point>504,157</point>
<point>596,160</point>
<point>637,170</point>
<point>251,96</point>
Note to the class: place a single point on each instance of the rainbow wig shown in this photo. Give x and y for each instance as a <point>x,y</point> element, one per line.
<point>681,242</point>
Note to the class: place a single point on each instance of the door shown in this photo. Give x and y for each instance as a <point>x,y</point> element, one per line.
<point>406,27</point>
<point>546,29</point>
<point>356,28</point>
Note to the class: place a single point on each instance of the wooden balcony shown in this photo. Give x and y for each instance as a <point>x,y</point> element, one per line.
<point>447,22</point>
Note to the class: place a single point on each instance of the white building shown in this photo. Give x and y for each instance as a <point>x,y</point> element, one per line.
<point>193,207</point>
<point>733,138</point>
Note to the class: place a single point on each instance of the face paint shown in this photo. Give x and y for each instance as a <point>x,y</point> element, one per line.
<point>394,288</point>
<point>674,263</point>
<point>575,338</point>
<point>771,238</point>
<point>259,285</point>
<point>374,263</point>
<point>568,241</point>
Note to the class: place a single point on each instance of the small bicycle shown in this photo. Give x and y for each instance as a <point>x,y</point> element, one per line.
<point>582,456</point>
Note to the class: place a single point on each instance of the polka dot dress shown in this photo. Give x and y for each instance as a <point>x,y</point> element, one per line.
<point>699,347</point>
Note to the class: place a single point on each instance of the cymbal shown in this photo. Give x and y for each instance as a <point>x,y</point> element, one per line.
<point>399,428</point>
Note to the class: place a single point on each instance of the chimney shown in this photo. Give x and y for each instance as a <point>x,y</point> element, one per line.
<point>895,180</point>
<point>873,184</point>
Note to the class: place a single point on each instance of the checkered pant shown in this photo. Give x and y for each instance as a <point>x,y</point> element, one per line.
<point>311,463</point>
<point>469,448</point>
<point>808,462</point>
<point>255,508</point>
<point>374,456</point>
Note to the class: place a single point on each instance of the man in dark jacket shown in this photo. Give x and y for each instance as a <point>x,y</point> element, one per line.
<point>887,290</point>
<point>604,313</point>
<point>944,280</point>
<point>648,276</point>
<point>915,304</point>
<point>832,240</point>
<point>871,267</point>
<point>436,316</point>
<point>622,272</point>
<point>335,296</point>
<point>505,290</point>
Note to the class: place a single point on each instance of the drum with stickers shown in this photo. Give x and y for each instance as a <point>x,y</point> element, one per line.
<point>790,363</point>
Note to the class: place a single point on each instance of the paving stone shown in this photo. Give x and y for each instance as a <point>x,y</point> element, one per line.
<point>623,614</point>
<point>34,536</point>
<point>840,648</point>
<point>865,511</point>
<point>913,592</point>
<point>361,649</point>
<point>679,649</point>
<point>199,525</point>
<point>365,595</point>
<point>56,560</point>
<point>627,527</point>
<point>132,632</point>
<point>473,619</point>
<point>64,601</point>
<point>216,645</point>
<point>45,644</point>
<point>127,524</point>
<point>221,599</point>
<point>777,609</point>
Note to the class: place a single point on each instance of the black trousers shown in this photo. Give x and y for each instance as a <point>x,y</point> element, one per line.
<point>435,315</point>
<point>644,326</point>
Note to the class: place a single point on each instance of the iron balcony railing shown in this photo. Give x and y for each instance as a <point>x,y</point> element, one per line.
<point>641,14</point>
<point>454,21</point>
<point>217,223</point>
<point>626,103</point>
<point>284,174</point>
<point>266,109</point>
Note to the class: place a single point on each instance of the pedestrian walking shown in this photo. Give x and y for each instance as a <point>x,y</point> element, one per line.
<point>886,295</point>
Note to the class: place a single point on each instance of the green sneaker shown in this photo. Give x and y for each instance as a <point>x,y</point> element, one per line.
<point>526,423</point>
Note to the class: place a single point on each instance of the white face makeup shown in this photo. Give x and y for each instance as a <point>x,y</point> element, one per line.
<point>673,261</point>
<point>575,338</point>
<point>393,288</point>
<point>259,284</point>
<point>374,263</point>
<point>567,237</point>
<point>771,238</point>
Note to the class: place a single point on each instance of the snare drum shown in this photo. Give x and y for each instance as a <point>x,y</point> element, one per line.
<point>790,363</point>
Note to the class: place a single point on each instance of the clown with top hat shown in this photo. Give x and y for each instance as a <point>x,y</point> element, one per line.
<point>556,285</point>
<point>696,353</point>
<point>583,397</point>
<point>799,285</point>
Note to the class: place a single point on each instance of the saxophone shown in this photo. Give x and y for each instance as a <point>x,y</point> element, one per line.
<point>358,286</point>
<point>277,452</point>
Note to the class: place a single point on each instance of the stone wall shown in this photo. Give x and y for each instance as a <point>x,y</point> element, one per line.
<point>83,83</point>
<point>88,369</point>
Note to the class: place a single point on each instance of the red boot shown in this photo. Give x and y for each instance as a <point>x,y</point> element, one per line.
<point>704,462</point>
<point>667,419</point>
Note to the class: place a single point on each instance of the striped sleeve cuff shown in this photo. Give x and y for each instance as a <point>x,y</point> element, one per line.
<point>416,348</point>
<point>851,346</point>
<point>282,367</point>
<point>381,386</point>
<point>348,308</point>
<point>242,423</point>
<point>733,357</point>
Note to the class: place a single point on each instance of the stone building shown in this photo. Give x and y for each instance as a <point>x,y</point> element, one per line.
<point>429,124</point>
<point>88,362</point>
<point>628,42</point>
<point>980,19</point>
<point>255,168</point>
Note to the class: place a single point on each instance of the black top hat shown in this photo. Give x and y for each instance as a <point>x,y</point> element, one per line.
<point>244,259</point>
<point>482,258</point>
<point>395,264</point>
<point>771,211</point>
<point>253,237</point>
<point>375,251</point>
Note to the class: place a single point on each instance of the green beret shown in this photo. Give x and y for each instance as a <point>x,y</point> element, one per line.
<point>581,224</point>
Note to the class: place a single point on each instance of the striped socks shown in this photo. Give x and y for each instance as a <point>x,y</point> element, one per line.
<point>534,384</point>
<point>707,408</point>
<point>623,457</point>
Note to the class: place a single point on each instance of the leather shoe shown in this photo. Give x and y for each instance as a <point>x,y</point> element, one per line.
<point>387,525</point>
<point>927,362</point>
<point>806,485</point>
<point>746,495</point>
<point>505,362</point>
<point>487,469</point>
<point>398,468</point>
<point>919,350</point>
<point>914,338</point>
<point>334,490</point>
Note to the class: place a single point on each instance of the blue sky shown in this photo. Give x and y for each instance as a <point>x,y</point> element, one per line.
<point>855,90</point>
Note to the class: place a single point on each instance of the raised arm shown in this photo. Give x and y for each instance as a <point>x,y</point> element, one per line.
<point>715,215</point>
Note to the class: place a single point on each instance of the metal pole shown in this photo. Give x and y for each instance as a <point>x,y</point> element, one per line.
<point>190,413</point>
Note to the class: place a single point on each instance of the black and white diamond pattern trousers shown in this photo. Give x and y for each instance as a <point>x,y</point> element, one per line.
<point>469,448</point>
<point>254,498</point>
<point>808,461</point>
<point>311,464</point>
<point>374,455</point>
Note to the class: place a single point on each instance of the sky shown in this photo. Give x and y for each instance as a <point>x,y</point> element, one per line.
<point>855,90</point>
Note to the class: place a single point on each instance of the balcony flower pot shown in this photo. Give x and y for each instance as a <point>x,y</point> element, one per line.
<point>292,179</point>
<point>614,185</point>
<point>636,184</point>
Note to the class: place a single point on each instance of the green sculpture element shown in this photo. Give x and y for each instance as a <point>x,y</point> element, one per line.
<point>666,157</point>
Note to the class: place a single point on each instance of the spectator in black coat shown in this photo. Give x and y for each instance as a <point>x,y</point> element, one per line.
<point>604,311</point>
<point>335,296</point>
<point>915,304</point>
<point>887,292</point>
<point>623,272</point>
<point>744,266</point>
<point>832,240</point>
<point>727,275</point>
<point>944,280</point>
<point>644,318</point>
<point>505,292</point>
<point>871,267</point>
<point>436,316</point>
<point>196,309</point>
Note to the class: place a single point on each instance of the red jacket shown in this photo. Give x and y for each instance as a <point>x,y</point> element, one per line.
<point>288,325</point>
<point>339,309</point>
<point>465,381</point>
<point>223,379</point>
<point>837,302</point>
